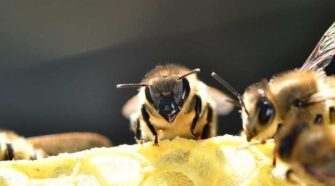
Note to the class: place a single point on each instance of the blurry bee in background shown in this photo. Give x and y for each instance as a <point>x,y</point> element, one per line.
<point>307,91</point>
<point>15,147</point>
<point>309,151</point>
<point>172,102</point>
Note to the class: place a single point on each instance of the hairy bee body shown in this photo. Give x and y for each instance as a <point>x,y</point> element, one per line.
<point>15,147</point>
<point>183,121</point>
<point>309,151</point>
<point>306,91</point>
<point>300,107</point>
<point>297,108</point>
<point>290,94</point>
<point>191,108</point>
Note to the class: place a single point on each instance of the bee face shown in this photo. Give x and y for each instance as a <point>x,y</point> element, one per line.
<point>259,112</point>
<point>167,95</point>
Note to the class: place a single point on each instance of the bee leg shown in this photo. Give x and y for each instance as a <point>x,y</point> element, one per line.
<point>206,131</point>
<point>279,128</point>
<point>146,118</point>
<point>274,158</point>
<point>197,107</point>
<point>288,176</point>
<point>33,156</point>
<point>138,132</point>
<point>9,154</point>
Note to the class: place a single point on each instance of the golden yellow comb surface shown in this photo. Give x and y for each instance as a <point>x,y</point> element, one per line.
<point>216,161</point>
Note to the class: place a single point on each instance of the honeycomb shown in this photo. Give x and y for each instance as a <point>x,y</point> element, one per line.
<point>221,160</point>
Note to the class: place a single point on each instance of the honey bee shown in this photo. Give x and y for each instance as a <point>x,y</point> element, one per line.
<point>15,147</point>
<point>309,151</point>
<point>307,91</point>
<point>172,102</point>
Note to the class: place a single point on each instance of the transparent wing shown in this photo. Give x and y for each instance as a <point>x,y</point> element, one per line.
<point>223,103</point>
<point>322,96</point>
<point>322,53</point>
<point>54,144</point>
<point>133,105</point>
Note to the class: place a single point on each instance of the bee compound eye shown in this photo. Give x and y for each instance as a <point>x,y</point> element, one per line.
<point>265,111</point>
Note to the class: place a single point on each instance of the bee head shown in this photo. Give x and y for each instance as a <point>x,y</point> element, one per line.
<point>257,110</point>
<point>260,116</point>
<point>166,93</point>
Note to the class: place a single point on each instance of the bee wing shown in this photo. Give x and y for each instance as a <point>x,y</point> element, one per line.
<point>223,102</point>
<point>322,53</point>
<point>133,105</point>
<point>54,144</point>
<point>322,96</point>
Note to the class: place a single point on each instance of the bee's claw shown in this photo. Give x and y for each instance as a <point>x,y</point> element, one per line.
<point>288,176</point>
<point>195,136</point>
<point>140,141</point>
<point>156,142</point>
<point>274,162</point>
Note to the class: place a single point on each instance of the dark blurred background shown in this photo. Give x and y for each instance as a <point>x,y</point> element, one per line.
<point>60,60</point>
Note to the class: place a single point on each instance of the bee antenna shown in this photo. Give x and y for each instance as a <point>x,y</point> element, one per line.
<point>131,85</point>
<point>236,103</point>
<point>197,70</point>
<point>225,84</point>
<point>254,144</point>
<point>231,89</point>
